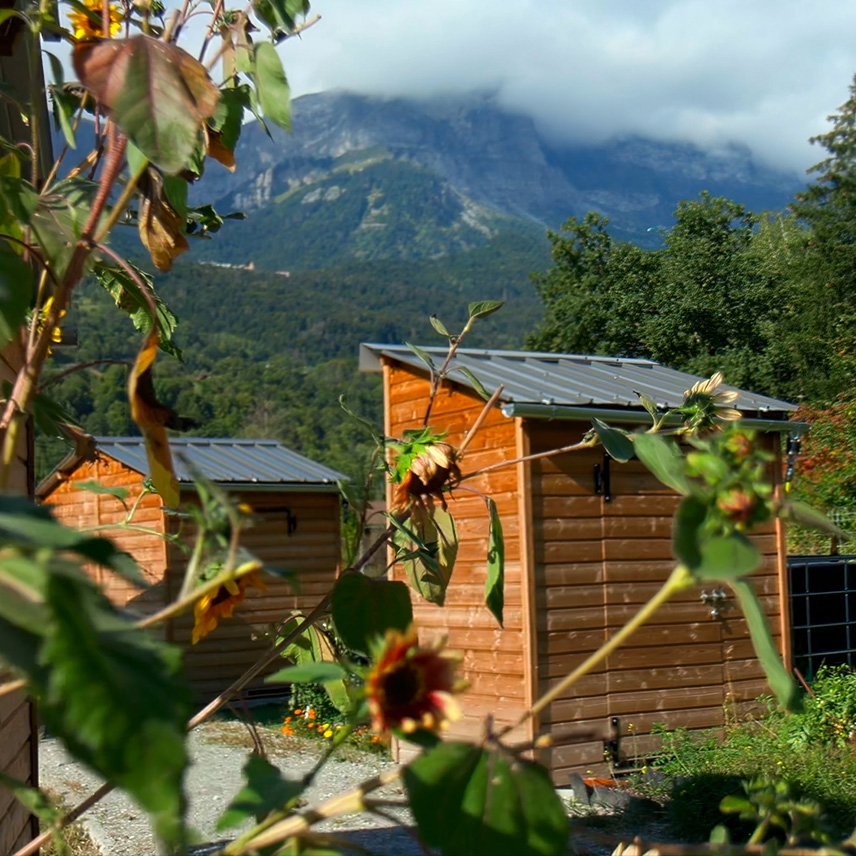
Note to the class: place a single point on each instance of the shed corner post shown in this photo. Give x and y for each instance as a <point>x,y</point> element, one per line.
<point>527,575</point>
<point>783,573</point>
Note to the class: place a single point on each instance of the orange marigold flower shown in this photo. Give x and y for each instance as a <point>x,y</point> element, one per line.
<point>310,713</point>
<point>287,729</point>
<point>87,28</point>
<point>287,720</point>
<point>310,725</point>
<point>221,603</point>
<point>411,687</point>
<point>298,711</point>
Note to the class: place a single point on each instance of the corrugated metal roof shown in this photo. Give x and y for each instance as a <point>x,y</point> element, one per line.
<point>227,461</point>
<point>568,379</point>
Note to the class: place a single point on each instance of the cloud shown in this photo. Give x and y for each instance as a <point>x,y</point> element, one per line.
<point>765,73</point>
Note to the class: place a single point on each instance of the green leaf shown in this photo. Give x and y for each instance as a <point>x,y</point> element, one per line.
<point>616,442</point>
<point>438,325</point>
<point>476,383</point>
<point>494,587</point>
<point>272,85</point>
<point>735,804</point>
<point>121,493</point>
<point>157,93</point>
<point>229,116</point>
<point>265,790</point>
<point>782,684</point>
<point>308,673</point>
<point>16,292</point>
<point>35,800</point>
<point>129,296</point>
<point>429,568</point>
<point>690,514</point>
<point>810,518</point>
<point>20,647</point>
<point>63,105</point>
<point>649,405</point>
<point>423,355</point>
<point>281,15</point>
<point>468,800</point>
<point>720,834</point>
<point>664,460</point>
<point>115,698</point>
<point>484,308</point>
<point>363,609</point>
<point>726,558</point>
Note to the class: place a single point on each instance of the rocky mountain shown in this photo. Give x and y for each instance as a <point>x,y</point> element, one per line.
<point>365,178</point>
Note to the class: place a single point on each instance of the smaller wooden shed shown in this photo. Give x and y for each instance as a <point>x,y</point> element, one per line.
<point>587,542</point>
<point>297,510</point>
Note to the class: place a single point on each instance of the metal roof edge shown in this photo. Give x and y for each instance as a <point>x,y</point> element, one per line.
<point>565,412</point>
<point>371,352</point>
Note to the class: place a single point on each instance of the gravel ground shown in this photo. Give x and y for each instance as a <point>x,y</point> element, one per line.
<point>218,751</point>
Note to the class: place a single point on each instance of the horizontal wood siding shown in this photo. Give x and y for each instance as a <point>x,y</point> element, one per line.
<point>80,508</point>
<point>493,657</point>
<point>597,563</point>
<point>18,738</point>
<point>570,616</point>
<point>311,553</point>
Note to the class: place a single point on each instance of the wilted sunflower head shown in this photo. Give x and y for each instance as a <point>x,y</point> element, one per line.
<point>704,407</point>
<point>423,465</point>
<point>411,687</point>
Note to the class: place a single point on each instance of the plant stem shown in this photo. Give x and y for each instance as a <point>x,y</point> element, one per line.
<point>680,578</point>
<point>343,804</point>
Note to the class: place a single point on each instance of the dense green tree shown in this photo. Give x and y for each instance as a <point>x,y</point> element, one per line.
<point>699,303</point>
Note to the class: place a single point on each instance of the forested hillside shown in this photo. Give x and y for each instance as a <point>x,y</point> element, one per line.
<point>268,355</point>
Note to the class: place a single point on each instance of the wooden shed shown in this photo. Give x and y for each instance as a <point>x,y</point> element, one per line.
<point>587,542</point>
<point>19,741</point>
<point>296,507</point>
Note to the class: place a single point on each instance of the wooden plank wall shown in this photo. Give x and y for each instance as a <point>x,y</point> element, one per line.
<point>597,562</point>
<point>312,552</point>
<point>81,508</point>
<point>18,735</point>
<point>494,657</point>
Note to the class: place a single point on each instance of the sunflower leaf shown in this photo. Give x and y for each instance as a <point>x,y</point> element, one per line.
<point>364,609</point>
<point>467,799</point>
<point>266,789</point>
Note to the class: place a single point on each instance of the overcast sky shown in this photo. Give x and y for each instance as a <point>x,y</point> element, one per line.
<point>763,72</point>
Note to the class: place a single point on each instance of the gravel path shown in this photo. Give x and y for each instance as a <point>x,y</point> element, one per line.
<point>218,752</point>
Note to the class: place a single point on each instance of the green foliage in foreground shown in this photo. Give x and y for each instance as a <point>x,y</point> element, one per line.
<point>810,752</point>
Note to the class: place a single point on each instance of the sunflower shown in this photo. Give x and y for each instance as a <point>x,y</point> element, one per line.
<point>221,603</point>
<point>704,405</point>
<point>411,687</point>
<point>429,472</point>
<point>87,28</point>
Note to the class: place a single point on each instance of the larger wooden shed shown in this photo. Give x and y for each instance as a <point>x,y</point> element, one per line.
<point>587,542</point>
<point>296,506</point>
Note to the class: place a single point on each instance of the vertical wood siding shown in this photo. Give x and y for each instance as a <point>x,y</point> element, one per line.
<point>493,657</point>
<point>18,737</point>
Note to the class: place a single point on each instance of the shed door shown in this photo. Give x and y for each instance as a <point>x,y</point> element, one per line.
<point>672,670</point>
<point>596,561</point>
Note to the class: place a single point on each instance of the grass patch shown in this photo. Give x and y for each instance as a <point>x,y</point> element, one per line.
<point>74,840</point>
<point>810,756</point>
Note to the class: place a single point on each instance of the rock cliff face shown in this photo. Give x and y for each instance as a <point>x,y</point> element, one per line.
<point>483,162</point>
